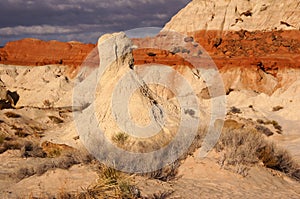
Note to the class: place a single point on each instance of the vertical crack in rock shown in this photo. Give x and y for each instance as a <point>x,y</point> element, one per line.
<point>153,98</point>
<point>116,52</point>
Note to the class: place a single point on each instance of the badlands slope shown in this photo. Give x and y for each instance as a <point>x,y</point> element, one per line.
<point>255,45</point>
<point>44,157</point>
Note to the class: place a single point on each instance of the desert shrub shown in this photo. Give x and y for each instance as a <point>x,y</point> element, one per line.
<point>275,125</point>
<point>56,119</point>
<point>163,195</point>
<point>11,145</point>
<point>166,173</point>
<point>63,162</point>
<point>2,138</point>
<point>240,147</point>
<point>25,173</point>
<point>12,115</point>
<point>248,147</point>
<point>275,158</point>
<point>47,103</point>
<point>260,121</point>
<point>64,195</point>
<point>66,161</point>
<point>20,132</point>
<point>272,122</point>
<point>46,164</point>
<point>31,149</point>
<point>264,130</point>
<point>44,167</point>
<point>278,127</point>
<point>277,108</point>
<point>235,110</point>
<point>296,174</point>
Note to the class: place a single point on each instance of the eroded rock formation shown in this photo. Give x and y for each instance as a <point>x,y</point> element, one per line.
<point>255,44</point>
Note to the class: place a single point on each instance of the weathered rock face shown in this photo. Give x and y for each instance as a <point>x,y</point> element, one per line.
<point>258,41</point>
<point>258,59</point>
<point>234,15</point>
<point>139,109</point>
<point>33,52</point>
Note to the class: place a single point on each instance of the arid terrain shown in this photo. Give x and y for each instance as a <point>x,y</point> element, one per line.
<point>50,96</point>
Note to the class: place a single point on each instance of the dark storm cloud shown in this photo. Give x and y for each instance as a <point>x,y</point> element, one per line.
<point>81,20</point>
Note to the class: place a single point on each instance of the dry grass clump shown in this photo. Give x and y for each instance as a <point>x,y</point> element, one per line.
<point>120,138</point>
<point>242,148</point>
<point>112,184</point>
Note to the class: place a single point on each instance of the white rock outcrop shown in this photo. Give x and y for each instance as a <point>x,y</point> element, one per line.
<point>131,115</point>
<point>233,15</point>
<point>42,86</point>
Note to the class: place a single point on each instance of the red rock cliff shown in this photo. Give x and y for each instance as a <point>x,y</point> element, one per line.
<point>33,52</point>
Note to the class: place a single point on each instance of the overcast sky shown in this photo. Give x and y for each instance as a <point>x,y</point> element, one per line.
<point>81,20</point>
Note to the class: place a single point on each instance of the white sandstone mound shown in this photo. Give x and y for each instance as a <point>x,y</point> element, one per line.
<point>139,109</point>
<point>234,15</point>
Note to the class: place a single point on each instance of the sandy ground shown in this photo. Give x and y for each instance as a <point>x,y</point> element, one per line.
<point>23,175</point>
